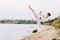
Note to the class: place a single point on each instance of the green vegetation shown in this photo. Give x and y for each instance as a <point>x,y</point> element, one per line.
<point>26,22</point>
<point>55,22</point>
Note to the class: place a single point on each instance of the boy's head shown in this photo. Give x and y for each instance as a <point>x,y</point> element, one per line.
<point>48,14</point>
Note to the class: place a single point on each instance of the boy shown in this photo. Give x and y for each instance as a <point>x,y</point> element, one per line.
<point>39,19</point>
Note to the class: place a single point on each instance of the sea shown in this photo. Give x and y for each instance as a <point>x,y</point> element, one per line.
<point>15,31</point>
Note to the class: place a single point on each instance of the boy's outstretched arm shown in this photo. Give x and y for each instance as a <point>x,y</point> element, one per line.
<point>40,12</point>
<point>33,12</point>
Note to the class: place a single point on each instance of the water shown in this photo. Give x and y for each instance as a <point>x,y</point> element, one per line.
<point>15,31</point>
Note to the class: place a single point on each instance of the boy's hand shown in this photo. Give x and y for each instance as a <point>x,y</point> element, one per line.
<point>40,12</point>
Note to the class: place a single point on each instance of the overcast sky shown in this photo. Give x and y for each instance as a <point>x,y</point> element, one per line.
<point>18,9</point>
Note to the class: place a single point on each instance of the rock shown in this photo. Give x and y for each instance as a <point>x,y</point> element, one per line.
<point>49,34</point>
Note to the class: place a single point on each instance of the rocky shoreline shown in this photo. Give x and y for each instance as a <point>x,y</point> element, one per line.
<point>49,34</point>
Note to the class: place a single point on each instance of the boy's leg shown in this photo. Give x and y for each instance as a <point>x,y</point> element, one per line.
<point>34,31</point>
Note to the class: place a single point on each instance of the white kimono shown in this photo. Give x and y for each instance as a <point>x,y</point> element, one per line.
<point>42,18</point>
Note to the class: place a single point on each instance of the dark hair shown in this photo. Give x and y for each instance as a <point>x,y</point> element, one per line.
<point>49,14</point>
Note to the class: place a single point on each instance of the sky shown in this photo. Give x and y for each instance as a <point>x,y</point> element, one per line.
<point>18,9</point>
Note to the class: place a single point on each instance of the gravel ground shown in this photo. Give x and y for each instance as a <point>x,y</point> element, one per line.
<point>49,34</point>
